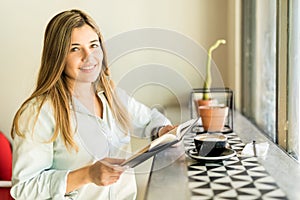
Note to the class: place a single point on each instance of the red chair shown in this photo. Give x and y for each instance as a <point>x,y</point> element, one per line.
<point>5,168</point>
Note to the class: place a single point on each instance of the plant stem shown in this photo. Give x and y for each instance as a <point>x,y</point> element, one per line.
<point>207,82</point>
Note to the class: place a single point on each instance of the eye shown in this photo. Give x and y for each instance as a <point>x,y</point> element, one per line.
<point>74,49</point>
<point>95,46</point>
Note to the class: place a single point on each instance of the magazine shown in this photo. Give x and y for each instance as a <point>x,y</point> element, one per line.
<point>160,144</point>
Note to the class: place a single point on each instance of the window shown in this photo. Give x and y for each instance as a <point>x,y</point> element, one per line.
<point>293,145</point>
<point>270,69</point>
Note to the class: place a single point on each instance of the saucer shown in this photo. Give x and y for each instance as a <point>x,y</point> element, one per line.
<point>227,153</point>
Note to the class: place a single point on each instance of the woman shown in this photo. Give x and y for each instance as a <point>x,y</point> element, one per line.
<point>74,130</point>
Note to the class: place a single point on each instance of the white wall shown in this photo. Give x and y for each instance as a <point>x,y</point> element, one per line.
<point>23,24</point>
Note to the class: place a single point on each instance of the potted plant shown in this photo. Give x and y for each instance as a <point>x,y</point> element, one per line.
<point>212,115</point>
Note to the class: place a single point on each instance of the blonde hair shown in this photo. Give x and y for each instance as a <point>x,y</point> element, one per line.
<point>51,83</point>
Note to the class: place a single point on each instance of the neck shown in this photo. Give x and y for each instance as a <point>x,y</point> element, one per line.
<point>83,90</point>
<point>85,93</point>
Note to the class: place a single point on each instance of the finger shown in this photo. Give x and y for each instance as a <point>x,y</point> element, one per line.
<point>109,182</point>
<point>175,126</point>
<point>110,167</point>
<point>109,178</point>
<point>170,127</point>
<point>166,129</point>
<point>120,169</point>
<point>115,178</point>
<point>112,179</point>
<point>115,161</point>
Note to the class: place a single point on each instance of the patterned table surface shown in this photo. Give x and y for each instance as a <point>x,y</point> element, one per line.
<point>238,177</point>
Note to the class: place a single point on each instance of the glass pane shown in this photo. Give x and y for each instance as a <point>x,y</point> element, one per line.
<point>265,82</point>
<point>293,80</point>
<point>259,73</point>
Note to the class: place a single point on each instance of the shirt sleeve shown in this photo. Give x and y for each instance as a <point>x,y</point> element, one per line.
<point>32,176</point>
<point>143,118</point>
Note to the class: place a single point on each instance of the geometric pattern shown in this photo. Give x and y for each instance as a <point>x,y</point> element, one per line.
<point>239,177</point>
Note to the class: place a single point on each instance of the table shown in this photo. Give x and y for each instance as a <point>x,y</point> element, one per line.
<point>176,176</point>
<point>239,177</point>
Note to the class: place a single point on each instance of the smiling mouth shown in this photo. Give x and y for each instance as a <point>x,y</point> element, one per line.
<point>87,68</point>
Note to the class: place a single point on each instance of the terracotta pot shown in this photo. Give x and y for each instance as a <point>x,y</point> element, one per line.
<point>213,117</point>
<point>201,102</point>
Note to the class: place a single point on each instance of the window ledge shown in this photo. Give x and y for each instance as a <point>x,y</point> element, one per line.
<point>282,167</point>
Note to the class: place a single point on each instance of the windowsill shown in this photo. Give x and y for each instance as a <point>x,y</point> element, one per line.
<point>142,171</point>
<point>284,169</point>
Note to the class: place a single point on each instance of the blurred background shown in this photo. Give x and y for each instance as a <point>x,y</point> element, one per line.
<point>259,62</point>
<point>200,21</point>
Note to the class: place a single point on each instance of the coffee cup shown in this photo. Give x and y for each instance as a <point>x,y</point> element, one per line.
<point>210,144</point>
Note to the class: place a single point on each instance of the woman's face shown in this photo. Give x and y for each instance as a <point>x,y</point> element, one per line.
<point>84,60</point>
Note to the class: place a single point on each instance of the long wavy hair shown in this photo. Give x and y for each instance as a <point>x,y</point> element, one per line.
<point>52,84</point>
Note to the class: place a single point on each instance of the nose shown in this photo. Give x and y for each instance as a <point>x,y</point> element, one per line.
<point>92,56</point>
<point>85,54</point>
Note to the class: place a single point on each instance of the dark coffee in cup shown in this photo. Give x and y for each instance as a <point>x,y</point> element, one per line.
<point>210,144</point>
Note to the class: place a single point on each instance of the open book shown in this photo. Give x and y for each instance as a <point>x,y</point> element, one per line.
<point>161,143</point>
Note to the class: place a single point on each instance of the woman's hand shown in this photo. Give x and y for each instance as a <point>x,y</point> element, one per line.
<point>106,171</point>
<point>102,173</point>
<point>165,129</point>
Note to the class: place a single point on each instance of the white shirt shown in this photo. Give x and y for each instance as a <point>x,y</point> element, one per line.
<point>40,168</point>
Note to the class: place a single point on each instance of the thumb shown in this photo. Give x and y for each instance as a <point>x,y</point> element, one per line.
<point>114,161</point>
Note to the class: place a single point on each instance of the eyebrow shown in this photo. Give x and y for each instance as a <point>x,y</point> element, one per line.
<point>77,44</point>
